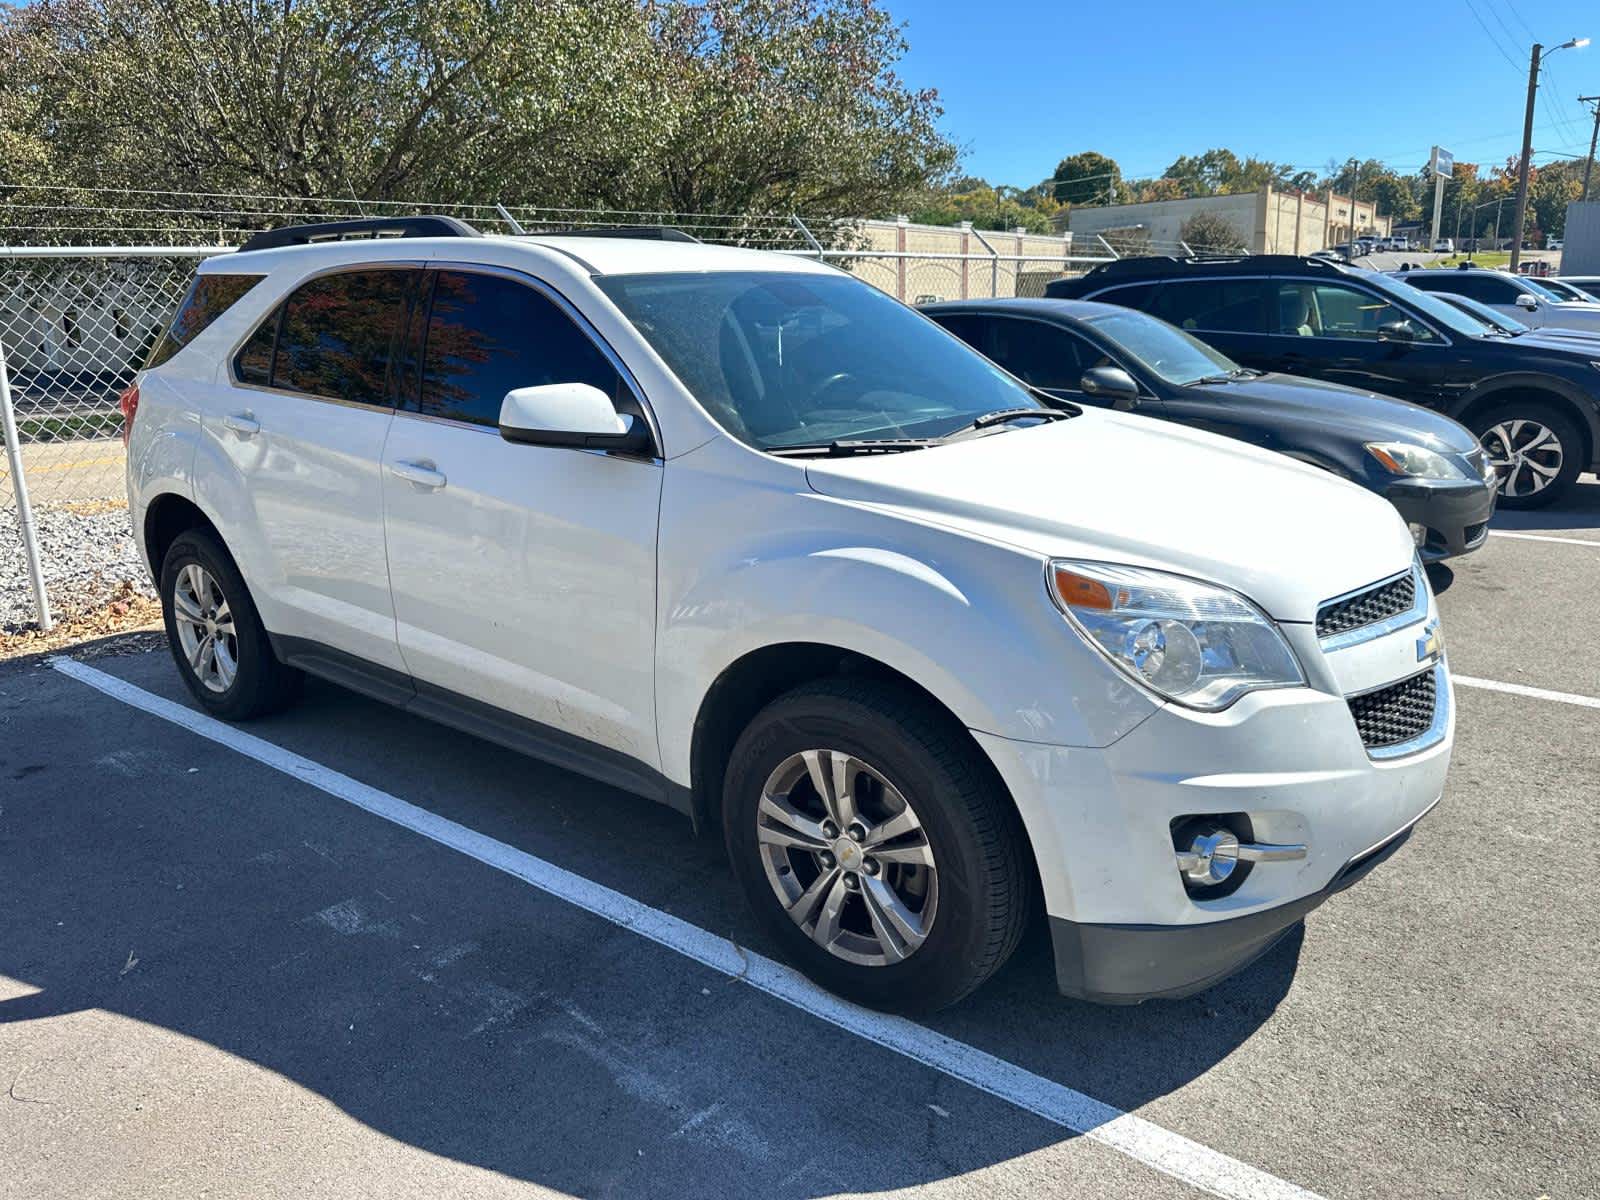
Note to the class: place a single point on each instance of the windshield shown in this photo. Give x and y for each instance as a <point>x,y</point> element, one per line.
<point>1493,318</point>
<point>1443,312</point>
<point>1162,349</point>
<point>797,359</point>
<point>1543,292</point>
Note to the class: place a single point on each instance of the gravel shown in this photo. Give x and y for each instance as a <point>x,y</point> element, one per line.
<point>88,556</point>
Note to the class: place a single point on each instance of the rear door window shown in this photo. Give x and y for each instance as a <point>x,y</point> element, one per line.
<point>208,297</point>
<point>1218,305</point>
<point>336,333</point>
<point>488,335</point>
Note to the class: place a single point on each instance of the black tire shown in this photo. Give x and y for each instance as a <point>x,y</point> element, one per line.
<point>978,845</point>
<point>261,684</point>
<point>1566,432</point>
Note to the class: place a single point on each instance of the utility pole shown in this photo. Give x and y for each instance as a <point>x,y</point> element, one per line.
<point>1588,164</point>
<point>1527,144</point>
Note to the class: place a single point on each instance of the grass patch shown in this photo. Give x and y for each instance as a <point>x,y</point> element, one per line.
<point>68,428</point>
<point>1488,258</point>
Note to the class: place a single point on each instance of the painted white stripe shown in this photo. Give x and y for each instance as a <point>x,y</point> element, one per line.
<point>1169,1153</point>
<point>1542,537</point>
<point>1521,689</point>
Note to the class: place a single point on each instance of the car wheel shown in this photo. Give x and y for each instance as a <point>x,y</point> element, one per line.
<point>1536,450</point>
<point>216,636</point>
<point>875,844</point>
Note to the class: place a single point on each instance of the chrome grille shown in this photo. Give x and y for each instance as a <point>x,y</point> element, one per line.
<point>1377,603</point>
<point>1397,713</point>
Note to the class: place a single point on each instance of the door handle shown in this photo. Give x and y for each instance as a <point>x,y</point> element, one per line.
<point>244,424</point>
<point>420,473</point>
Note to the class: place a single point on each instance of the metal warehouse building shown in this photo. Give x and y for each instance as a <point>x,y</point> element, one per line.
<point>1268,221</point>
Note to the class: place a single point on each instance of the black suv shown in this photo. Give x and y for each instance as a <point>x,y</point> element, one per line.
<point>1535,408</point>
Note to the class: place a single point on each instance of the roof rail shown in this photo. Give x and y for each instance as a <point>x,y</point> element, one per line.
<point>1170,264</point>
<point>655,233</point>
<point>375,227</point>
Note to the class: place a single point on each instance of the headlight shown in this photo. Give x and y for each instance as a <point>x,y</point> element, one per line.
<point>1402,458</point>
<point>1201,645</point>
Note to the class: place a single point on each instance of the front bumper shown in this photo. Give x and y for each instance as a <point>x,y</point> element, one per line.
<point>1289,765</point>
<point>1126,964</point>
<point>1455,514</point>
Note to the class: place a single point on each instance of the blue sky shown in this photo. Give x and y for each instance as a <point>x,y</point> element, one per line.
<point>1027,83</point>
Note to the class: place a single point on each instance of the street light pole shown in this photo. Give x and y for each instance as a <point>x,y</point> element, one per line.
<point>1527,144</point>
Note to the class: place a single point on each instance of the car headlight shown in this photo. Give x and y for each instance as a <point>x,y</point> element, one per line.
<point>1418,462</point>
<point>1196,643</point>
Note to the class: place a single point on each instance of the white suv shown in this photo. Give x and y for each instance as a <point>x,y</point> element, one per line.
<point>742,534</point>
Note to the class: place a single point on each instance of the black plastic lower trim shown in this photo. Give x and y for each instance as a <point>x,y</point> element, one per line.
<point>536,740</point>
<point>1126,964</point>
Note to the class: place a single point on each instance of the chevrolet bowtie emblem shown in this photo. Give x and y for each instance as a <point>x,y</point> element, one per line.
<point>1430,646</point>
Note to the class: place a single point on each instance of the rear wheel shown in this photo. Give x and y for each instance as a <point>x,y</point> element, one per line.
<point>215,634</point>
<point>877,848</point>
<point>1536,449</point>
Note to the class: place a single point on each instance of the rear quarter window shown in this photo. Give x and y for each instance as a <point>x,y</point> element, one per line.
<point>209,296</point>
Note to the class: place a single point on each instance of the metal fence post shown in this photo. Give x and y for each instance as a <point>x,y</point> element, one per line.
<point>30,543</point>
<point>994,264</point>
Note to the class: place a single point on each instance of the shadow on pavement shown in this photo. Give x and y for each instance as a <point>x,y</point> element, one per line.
<point>450,1006</point>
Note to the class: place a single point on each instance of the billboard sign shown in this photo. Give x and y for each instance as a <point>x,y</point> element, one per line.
<point>1442,163</point>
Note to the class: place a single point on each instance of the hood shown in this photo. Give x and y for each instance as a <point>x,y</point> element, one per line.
<point>1568,315</point>
<point>1363,416</point>
<point>1123,488</point>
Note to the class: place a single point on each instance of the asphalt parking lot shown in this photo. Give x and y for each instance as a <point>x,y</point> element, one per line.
<point>369,956</point>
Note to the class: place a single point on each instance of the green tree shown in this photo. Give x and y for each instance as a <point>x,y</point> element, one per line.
<point>1207,232</point>
<point>988,207</point>
<point>1085,178</point>
<point>1394,197</point>
<point>675,105</point>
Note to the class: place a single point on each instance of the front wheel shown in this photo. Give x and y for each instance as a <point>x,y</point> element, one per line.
<point>1536,450</point>
<point>875,844</point>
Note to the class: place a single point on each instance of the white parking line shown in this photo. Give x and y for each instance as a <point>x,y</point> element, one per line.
<point>1542,537</point>
<point>1148,1143</point>
<point>1522,689</point>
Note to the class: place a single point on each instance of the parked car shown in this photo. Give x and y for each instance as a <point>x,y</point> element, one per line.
<point>1565,291</point>
<point>1499,323</point>
<point>1428,466</point>
<point>1554,244</point>
<point>1588,284</point>
<point>1515,295</point>
<point>1444,246</point>
<point>1535,407</point>
<point>745,535</point>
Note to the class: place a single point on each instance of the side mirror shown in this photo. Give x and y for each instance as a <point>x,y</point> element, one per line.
<point>578,415</point>
<point>1113,384</point>
<point>1396,331</point>
<point>1527,300</point>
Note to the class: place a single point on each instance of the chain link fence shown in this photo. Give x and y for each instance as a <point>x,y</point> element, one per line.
<point>77,321</point>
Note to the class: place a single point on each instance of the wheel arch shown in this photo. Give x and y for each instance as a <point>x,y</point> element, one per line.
<point>167,516</point>
<point>755,679</point>
<point>1539,389</point>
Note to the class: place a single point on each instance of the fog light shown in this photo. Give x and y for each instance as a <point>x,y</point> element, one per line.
<point>1215,853</point>
<point>1419,533</point>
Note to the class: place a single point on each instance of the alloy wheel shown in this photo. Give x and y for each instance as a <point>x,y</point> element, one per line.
<point>847,857</point>
<point>1526,455</point>
<point>205,629</point>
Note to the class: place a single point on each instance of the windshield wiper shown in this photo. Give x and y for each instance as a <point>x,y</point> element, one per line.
<point>1230,377</point>
<point>849,446</point>
<point>1001,415</point>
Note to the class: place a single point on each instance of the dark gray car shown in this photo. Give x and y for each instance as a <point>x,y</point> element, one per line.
<point>1427,465</point>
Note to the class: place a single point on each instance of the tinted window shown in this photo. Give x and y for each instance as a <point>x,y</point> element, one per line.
<point>1332,310</point>
<point>253,363</point>
<point>1471,284</point>
<point>336,333</point>
<point>1170,353</point>
<point>1046,356</point>
<point>1129,295</point>
<point>488,335</point>
<point>209,296</point>
<point>974,331</point>
<point>790,360</point>
<point>1224,305</point>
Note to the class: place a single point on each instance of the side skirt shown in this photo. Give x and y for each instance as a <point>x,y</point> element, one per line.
<point>536,740</point>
